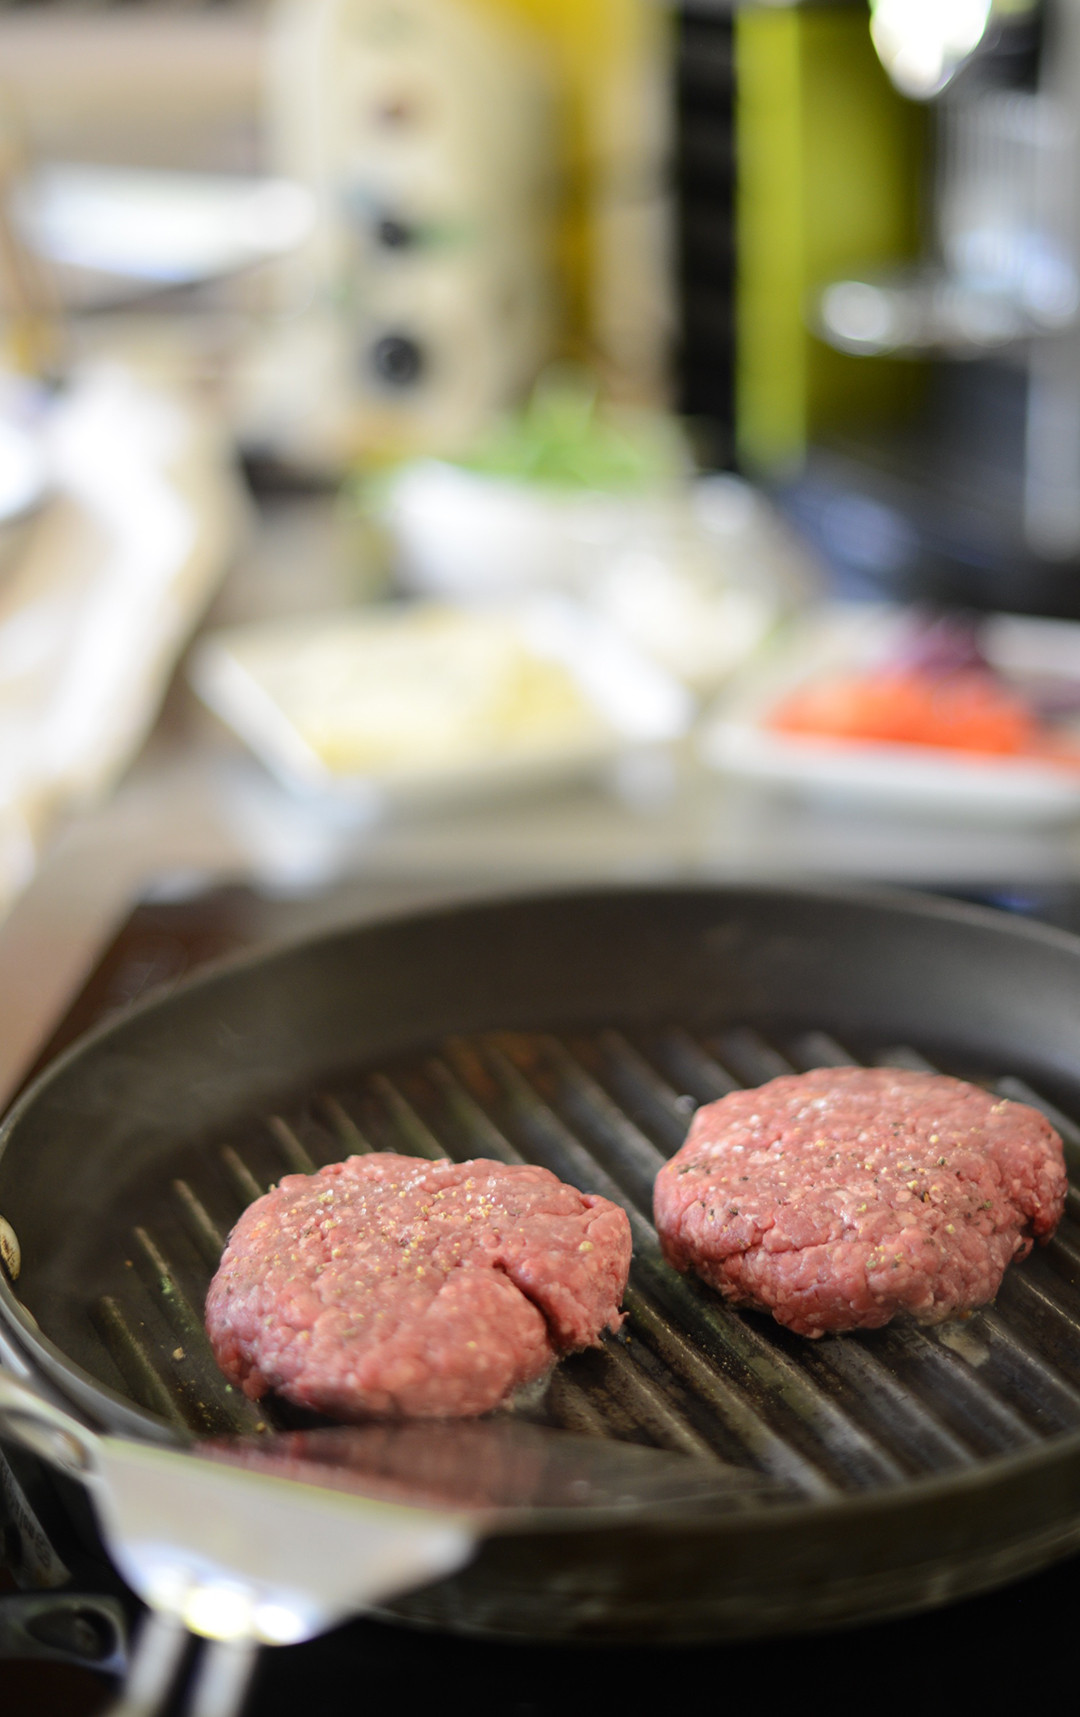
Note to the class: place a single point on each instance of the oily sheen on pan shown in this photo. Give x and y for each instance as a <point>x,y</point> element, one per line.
<point>838,1198</point>
<point>391,1286</point>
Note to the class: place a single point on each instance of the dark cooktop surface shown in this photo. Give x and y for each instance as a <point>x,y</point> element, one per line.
<point>952,1654</point>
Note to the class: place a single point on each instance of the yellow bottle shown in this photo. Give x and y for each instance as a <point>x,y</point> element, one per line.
<point>610,60</point>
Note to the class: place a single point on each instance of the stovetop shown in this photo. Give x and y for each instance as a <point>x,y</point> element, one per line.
<point>983,1649</point>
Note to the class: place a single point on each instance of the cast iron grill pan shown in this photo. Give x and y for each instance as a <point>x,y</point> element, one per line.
<point>478,1033</point>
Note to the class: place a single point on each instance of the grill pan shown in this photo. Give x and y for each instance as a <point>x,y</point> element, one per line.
<point>580,1031</point>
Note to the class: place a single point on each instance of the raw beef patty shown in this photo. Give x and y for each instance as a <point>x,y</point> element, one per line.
<point>837,1198</point>
<point>387,1285</point>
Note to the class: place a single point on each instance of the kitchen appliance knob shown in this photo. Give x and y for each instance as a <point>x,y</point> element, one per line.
<point>397,359</point>
<point>395,234</point>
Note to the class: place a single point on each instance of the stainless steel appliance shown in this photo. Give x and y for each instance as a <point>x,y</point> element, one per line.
<point>977,499</point>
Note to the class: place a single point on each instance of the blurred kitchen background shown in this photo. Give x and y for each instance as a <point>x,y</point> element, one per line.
<point>456,445</point>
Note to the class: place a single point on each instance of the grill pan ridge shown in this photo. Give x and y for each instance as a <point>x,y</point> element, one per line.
<point>580,1031</point>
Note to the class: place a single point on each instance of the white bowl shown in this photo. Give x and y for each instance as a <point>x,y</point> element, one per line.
<point>467,535</point>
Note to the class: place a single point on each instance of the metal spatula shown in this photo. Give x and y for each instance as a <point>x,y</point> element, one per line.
<point>269,1541</point>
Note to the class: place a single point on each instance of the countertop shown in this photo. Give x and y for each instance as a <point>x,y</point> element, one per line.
<point>196,809</point>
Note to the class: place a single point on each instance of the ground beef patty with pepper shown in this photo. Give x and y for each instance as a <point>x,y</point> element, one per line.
<point>390,1286</point>
<point>837,1198</point>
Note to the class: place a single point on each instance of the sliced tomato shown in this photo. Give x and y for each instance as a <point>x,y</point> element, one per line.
<point>965,711</point>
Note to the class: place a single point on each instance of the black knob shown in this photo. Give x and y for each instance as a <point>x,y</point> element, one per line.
<point>394,235</point>
<point>397,359</point>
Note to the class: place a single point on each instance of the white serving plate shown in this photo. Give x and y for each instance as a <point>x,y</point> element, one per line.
<point>239,673</point>
<point>914,779</point>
